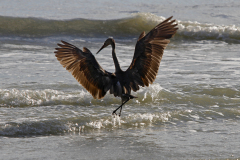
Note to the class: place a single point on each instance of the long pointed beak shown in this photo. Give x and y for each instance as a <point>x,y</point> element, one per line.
<point>101,49</point>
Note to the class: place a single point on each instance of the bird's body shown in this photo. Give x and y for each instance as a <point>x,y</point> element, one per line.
<point>141,72</point>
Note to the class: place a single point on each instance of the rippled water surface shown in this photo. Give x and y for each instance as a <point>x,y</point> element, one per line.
<point>191,111</point>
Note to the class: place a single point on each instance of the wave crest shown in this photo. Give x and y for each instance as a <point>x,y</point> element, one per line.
<point>26,98</point>
<point>152,95</point>
<point>118,28</point>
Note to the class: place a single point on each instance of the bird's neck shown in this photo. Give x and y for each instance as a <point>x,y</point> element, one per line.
<point>115,60</point>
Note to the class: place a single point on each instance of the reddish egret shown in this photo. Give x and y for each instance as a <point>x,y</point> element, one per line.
<point>141,72</point>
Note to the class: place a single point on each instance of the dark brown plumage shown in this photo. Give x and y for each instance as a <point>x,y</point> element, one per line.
<point>142,71</point>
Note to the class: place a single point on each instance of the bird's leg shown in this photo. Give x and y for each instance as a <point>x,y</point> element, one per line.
<point>120,112</point>
<point>125,97</point>
<point>114,112</point>
<point>122,106</point>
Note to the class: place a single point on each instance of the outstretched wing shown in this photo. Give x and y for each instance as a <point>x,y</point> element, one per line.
<point>148,54</point>
<point>85,69</point>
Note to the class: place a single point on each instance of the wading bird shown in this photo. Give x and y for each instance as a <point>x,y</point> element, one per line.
<point>141,72</point>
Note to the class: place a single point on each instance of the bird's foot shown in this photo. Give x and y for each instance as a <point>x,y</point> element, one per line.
<point>115,114</point>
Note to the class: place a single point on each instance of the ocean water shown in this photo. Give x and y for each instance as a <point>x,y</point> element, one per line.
<point>191,111</point>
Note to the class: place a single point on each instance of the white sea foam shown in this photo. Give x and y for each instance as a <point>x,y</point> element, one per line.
<point>15,97</point>
<point>197,30</point>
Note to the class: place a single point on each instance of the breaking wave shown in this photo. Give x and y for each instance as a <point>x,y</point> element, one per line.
<point>154,94</point>
<point>119,28</point>
<point>78,125</point>
<point>52,112</point>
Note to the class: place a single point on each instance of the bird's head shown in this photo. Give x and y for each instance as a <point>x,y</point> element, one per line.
<point>106,43</point>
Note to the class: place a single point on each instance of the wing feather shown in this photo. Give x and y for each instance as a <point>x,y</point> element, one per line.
<point>148,54</point>
<point>84,68</point>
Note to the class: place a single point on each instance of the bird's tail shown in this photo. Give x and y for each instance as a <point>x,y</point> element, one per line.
<point>131,96</point>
